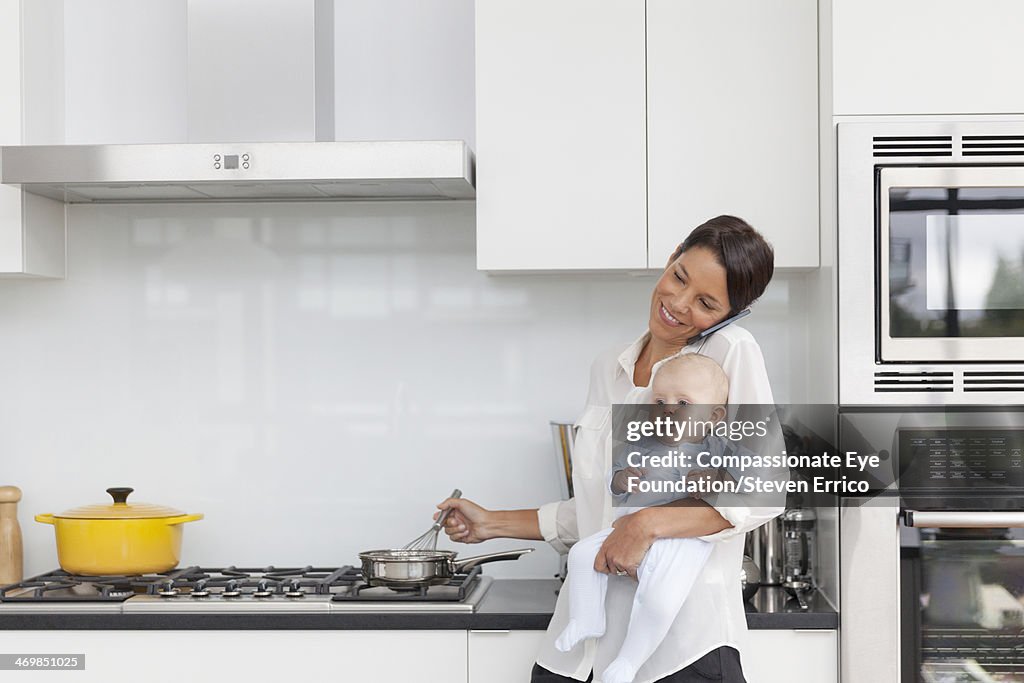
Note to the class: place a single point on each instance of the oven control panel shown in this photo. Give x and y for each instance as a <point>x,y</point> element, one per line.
<point>962,460</point>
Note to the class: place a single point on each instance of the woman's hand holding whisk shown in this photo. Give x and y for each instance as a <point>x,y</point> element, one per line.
<point>467,522</point>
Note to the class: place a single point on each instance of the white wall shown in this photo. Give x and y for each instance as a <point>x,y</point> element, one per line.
<point>821,286</point>
<point>312,377</point>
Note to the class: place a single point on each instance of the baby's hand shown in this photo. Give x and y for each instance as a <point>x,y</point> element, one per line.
<point>620,482</point>
<point>708,475</point>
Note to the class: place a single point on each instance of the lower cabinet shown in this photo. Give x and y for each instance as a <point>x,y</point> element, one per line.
<point>250,656</point>
<point>384,656</point>
<point>771,656</point>
<point>794,656</point>
<point>502,656</point>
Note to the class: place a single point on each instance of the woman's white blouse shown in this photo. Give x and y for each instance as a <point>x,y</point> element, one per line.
<point>713,614</point>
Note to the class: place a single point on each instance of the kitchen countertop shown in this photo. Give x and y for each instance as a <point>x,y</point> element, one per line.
<point>523,604</point>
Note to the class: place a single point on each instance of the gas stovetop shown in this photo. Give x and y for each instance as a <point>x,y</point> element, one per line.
<point>235,589</point>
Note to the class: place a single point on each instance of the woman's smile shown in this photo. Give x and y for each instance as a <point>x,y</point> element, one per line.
<point>672,320</point>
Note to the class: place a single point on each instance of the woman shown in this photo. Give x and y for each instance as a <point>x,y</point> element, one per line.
<point>720,269</point>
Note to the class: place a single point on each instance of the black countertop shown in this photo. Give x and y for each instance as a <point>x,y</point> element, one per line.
<point>523,604</point>
<point>528,604</point>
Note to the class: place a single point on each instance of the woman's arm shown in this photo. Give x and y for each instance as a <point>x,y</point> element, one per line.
<point>471,523</point>
<point>671,521</point>
<point>625,548</point>
<point>515,524</point>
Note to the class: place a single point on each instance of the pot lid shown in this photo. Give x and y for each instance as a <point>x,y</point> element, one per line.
<point>120,509</point>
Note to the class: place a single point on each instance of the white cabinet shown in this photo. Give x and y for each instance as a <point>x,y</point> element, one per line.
<point>561,155</point>
<point>927,57</point>
<point>385,656</point>
<point>786,656</point>
<point>771,656</point>
<point>502,656</point>
<point>732,121</point>
<point>606,131</point>
<point>252,656</point>
<point>31,227</point>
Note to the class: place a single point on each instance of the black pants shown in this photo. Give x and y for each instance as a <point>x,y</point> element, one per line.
<point>722,665</point>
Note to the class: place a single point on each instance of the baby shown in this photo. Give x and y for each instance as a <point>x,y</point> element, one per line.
<point>690,387</point>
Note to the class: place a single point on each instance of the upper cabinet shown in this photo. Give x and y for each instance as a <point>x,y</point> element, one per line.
<point>927,57</point>
<point>561,172</point>
<point>607,131</point>
<point>32,235</point>
<point>732,122</point>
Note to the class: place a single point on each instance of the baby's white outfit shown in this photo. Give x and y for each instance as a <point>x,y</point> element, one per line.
<point>665,577</point>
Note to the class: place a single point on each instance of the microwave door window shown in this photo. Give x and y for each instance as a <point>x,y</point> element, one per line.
<point>956,262</point>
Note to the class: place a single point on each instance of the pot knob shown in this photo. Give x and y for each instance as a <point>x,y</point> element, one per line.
<point>120,495</point>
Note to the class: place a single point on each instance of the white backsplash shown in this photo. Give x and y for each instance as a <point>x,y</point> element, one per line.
<point>312,377</point>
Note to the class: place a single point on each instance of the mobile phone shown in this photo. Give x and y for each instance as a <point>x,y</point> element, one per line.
<point>717,326</point>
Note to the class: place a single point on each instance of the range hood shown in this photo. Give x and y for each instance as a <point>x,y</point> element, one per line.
<point>264,171</point>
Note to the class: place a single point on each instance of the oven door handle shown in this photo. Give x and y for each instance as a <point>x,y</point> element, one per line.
<point>963,519</point>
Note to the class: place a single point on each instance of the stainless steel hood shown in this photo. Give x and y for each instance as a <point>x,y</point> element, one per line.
<point>265,171</point>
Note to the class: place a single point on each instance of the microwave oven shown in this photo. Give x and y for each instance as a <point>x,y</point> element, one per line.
<point>931,262</point>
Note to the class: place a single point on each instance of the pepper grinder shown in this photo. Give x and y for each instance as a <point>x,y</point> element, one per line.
<point>10,536</point>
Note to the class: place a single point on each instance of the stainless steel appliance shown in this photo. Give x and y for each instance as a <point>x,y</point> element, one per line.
<point>564,435</point>
<point>799,543</point>
<point>932,578</point>
<point>962,591</point>
<point>766,550</point>
<point>238,590</point>
<point>931,262</point>
<point>256,171</point>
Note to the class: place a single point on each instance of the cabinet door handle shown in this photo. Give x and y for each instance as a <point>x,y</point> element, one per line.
<point>963,519</point>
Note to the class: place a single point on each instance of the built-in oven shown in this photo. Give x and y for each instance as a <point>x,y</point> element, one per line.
<point>931,262</point>
<point>932,568</point>
<point>962,584</point>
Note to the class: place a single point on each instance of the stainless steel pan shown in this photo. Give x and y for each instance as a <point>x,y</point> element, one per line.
<point>414,568</point>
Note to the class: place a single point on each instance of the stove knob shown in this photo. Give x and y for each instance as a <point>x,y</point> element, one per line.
<point>168,590</point>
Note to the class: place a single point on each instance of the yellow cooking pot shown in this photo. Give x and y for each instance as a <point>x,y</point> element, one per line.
<point>123,538</point>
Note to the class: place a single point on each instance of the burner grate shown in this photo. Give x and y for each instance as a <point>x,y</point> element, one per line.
<point>257,582</point>
<point>59,586</point>
<point>230,584</point>
<point>455,590</point>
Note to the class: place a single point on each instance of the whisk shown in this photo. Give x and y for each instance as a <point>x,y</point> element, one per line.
<point>428,540</point>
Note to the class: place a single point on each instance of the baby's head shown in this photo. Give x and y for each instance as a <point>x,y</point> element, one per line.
<point>694,380</point>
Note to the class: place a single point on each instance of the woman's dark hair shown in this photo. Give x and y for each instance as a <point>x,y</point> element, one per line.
<point>748,259</point>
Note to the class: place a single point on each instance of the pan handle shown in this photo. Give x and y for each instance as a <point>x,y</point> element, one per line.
<point>470,562</point>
